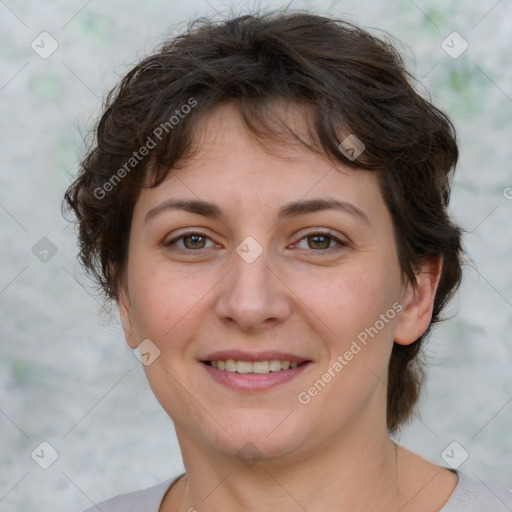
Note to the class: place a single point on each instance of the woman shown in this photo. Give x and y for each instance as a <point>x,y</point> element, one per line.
<point>267,204</point>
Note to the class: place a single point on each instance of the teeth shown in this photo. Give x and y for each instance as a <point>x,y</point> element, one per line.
<point>230,365</point>
<point>274,365</point>
<point>243,367</point>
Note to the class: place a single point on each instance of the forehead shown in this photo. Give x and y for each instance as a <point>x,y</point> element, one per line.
<point>229,164</point>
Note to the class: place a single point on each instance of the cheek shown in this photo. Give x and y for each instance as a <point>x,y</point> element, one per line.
<point>351,297</point>
<point>350,304</point>
<point>165,303</point>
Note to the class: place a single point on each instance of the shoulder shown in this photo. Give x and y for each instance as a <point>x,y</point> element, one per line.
<point>146,500</point>
<point>474,495</point>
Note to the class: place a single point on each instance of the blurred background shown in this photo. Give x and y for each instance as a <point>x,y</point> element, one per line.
<point>67,377</point>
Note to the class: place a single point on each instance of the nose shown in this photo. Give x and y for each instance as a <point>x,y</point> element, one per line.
<point>253,295</point>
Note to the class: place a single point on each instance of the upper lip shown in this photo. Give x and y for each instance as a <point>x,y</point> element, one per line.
<point>267,355</point>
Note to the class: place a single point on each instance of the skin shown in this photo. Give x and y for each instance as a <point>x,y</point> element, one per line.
<point>303,295</point>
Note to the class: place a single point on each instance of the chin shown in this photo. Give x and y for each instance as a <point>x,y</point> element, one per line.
<point>261,435</point>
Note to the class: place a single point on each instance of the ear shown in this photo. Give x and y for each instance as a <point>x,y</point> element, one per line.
<point>418,303</point>
<point>126,316</point>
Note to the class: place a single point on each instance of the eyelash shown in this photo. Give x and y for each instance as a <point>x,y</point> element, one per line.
<point>327,234</point>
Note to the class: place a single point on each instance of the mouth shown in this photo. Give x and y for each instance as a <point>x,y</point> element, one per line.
<point>254,372</point>
<point>254,367</point>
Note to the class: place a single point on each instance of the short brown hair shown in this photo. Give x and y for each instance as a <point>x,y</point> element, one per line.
<point>346,77</point>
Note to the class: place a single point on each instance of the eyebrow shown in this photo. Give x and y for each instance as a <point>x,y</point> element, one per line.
<point>292,209</point>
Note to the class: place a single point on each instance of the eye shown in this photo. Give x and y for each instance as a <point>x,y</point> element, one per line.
<point>322,240</point>
<point>191,239</point>
<point>195,240</point>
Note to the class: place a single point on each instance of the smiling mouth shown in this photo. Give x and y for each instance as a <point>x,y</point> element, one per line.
<point>257,367</point>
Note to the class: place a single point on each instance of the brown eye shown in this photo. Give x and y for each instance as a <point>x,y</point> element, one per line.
<point>321,241</point>
<point>191,241</point>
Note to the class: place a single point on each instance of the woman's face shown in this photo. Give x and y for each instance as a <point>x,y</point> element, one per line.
<point>258,279</point>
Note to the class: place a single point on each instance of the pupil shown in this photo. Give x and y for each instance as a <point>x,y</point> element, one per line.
<point>316,237</point>
<point>194,239</point>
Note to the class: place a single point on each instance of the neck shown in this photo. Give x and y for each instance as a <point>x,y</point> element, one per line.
<point>360,473</point>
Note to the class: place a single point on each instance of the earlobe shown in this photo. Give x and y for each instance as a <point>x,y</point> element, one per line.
<point>125,315</point>
<point>419,303</point>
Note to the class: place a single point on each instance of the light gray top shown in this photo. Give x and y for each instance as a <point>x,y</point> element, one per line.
<point>470,495</point>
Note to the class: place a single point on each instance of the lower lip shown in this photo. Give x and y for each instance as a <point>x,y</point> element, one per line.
<point>254,381</point>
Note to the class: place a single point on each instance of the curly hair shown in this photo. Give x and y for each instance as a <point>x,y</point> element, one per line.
<point>347,78</point>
